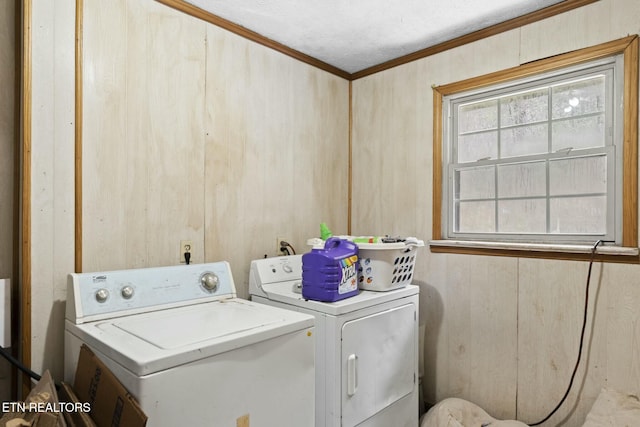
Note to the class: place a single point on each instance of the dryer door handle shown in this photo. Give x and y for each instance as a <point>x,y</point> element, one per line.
<point>352,374</point>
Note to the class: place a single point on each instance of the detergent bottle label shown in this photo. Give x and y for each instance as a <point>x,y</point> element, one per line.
<point>349,281</point>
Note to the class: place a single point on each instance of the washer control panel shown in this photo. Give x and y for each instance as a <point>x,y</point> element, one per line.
<point>101,295</point>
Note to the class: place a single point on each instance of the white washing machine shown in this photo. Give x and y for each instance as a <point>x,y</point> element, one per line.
<point>366,347</point>
<point>190,351</point>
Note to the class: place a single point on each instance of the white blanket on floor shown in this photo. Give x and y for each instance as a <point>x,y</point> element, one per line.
<point>611,409</point>
<point>614,409</point>
<point>455,412</point>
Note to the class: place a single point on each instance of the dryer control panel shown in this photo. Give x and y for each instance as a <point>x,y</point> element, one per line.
<point>107,294</point>
<point>277,269</point>
<point>274,270</point>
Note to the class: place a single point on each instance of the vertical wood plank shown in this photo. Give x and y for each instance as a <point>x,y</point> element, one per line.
<point>78,135</point>
<point>481,312</point>
<point>105,158</point>
<point>276,152</point>
<point>551,307</point>
<point>143,139</point>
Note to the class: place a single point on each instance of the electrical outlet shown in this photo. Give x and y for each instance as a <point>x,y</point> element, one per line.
<point>279,246</point>
<point>185,246</point>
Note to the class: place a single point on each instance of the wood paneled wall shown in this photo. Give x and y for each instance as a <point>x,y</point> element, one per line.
<point>188,133</point>
<point>192,132</point>
<point>501,332</point>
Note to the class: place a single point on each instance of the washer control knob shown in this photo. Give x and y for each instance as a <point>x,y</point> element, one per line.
<point>102,295</point>
<point>209,282</point>
<point>287,268</point>
<point>127,292</point>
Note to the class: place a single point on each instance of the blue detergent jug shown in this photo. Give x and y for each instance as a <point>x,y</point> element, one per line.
<point>330,273</point>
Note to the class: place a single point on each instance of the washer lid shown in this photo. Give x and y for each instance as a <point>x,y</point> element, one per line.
<point>283,292</point>
<point>151,342</point>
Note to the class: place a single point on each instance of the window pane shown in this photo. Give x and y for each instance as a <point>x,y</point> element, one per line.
<point>522,216</point>
<point>580,175</point>
<point>586,132</point>
<point>476,183</point>
<point>522,141</point>
<point>522,180</point>
<point>580,97</point>
<point>523,108</point>
<point>476,217</point>
<point>474,147</point>
<point>478,116</point>
<point>578,215</point>
<point>536,157</point>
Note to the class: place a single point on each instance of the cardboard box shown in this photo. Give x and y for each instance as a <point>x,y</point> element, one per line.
<point>74,418</point>
<point>32,419</point>
<point>111,404</point>
<point>39,409</point>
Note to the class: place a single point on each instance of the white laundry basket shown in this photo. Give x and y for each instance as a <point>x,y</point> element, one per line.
<point>383,266</point>
<point>387,266</point>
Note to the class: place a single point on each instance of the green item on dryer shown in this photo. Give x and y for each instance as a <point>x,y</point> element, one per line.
<point>325,233</point>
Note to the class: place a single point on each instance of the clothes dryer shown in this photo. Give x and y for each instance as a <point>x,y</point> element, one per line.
<point>366,347</point>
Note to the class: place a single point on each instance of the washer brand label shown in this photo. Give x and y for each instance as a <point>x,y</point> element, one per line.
<point>349,280</point>
<point>99,279</point>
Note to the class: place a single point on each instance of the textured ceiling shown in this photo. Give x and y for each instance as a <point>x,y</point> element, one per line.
<point>353,35</point>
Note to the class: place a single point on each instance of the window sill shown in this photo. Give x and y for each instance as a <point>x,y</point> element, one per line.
<point>536,250</point>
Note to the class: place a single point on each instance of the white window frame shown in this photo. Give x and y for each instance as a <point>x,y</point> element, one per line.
<point>627,247</point>
<point>612,67</point>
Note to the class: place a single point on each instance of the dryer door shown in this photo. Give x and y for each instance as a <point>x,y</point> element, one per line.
<point>378,362</point>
